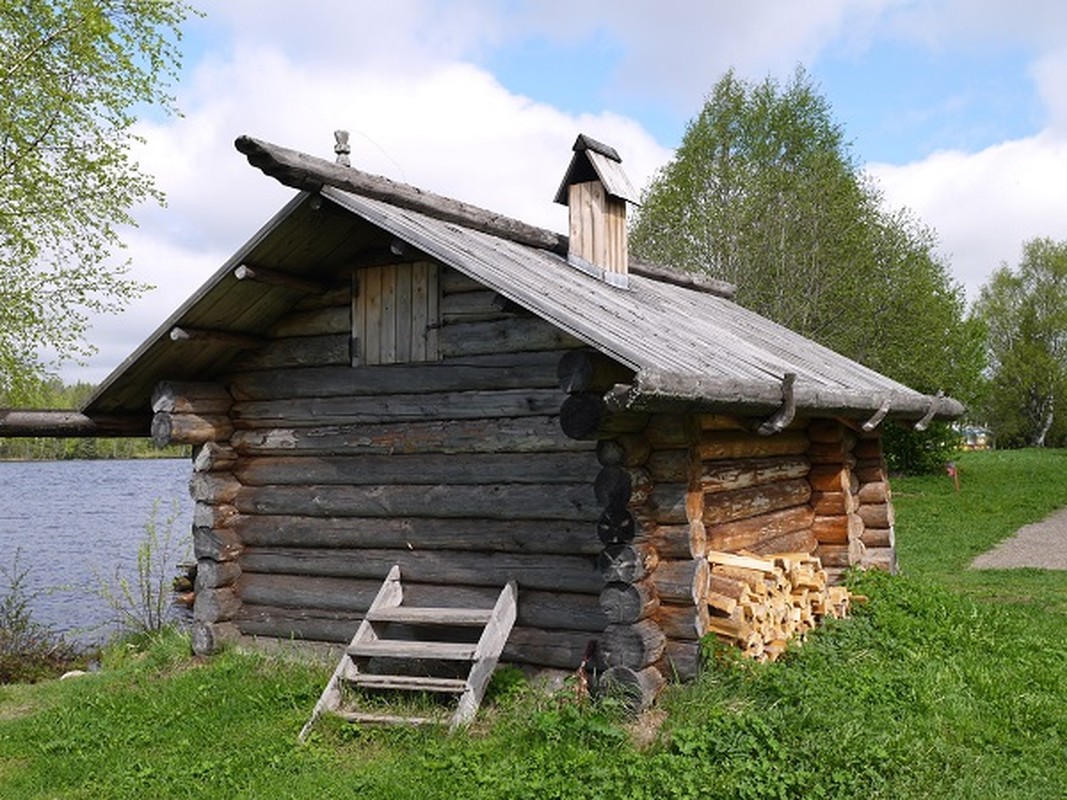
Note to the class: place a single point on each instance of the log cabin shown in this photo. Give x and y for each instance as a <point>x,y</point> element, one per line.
<point>383,376</point>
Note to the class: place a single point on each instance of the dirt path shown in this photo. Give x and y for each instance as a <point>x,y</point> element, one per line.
<point>1040,544</point>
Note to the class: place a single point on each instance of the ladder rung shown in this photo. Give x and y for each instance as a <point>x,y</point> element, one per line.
<point>410,682</point>
<point>385,719</point>
<point>398,648</point>
<point>432,616</point>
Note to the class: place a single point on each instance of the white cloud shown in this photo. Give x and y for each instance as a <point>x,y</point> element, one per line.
<point>984,205</point>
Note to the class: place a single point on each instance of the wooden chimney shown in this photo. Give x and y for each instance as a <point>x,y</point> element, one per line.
<point>596,191</point>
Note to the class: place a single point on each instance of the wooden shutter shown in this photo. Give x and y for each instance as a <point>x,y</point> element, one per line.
<point>395,313</point>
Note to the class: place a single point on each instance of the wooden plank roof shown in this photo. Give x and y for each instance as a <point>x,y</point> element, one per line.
<point>688,344</point>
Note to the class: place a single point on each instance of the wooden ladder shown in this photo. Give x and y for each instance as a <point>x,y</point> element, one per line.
<point>371,642</point>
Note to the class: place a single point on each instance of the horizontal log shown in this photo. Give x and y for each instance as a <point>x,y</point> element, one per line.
<point>325,350</point>
<point>802,541</point>
<point>884,558</point>
<point>877,515</point>
<point>626,563</point>
<point>548,648</point>
<point>669,466</point>
<point>188,397</point>
<point>473,373</point>
<point>724,422</point>
<point>214,457</point>
<point>831,503</point>
<point>878,537</point>
<point>683,581</point>
<point>667,503</point>
<point>874,492</point>
<point>628,602</point>
<point>502,336</point>
<point>839,529</point>
<point>635,689</point>
<point>833,555</point>
<point>173,428</point>
<point>216,488</point>
<point>677,541</point>
<point>823,429</point>
<point>414,533</point>
<point>537,571</point>
<point>30,423</point>
<point>636,645</point>
<point>427,468</point>
<point>455,282</point>
<point>742,534</point>
<point>587,370</point>
<point>415,407</point>
<point>287,280</point>
<point>716,445</point>
<point>830,478</point>
<point>624,450</point>
<point>206,515</point>
<point>218,544</point>
<point>586,416</point>
<point>499,501</point>
<point>672,431</point>
<point>485,305</point>
<point>236,340</point>
<point>870,471</point>
<point>515,435</point>
<point>754,501</point>
<point>682,622</point>
<point>316,321</point>
<point>548,610</point>
<point>832,452</point>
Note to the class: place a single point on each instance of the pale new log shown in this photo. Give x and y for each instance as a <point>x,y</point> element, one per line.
<point>216,605</point>
<point>635,689</point>
<point>626,563</point>
<point>721,476</point>
<point>216,488</point>
<point>502,501</point>
<point>744,533</point>
<point>878,537</point>
<point>803,540</point>
<point>624,450</point>
<point>683,581</point>
<point>827,478</point>
<point>218,544</point>
<point>424,468</point>
<point>730,445</point>
<point>839,529</point>
<point>586,370</point>
<point>215,574</point>
<point>214,457</point>
<point>168,428</point>
<point>754,501</point>
<point>208,638</point>
<point>628,602</point>
<point>832,503</point>
<point>682,622</point>
<point>535,571</point>
<point>874,492</point>
<point>884,558</point>
<point>877,515</point>
<point>519,435</point>
<point>473,373</point>
<point>413,533</point>
<point>586,416</point>
<point>187,397</point>
<point>502,336</point>
<point>635,645</point>
<point>313,411</point>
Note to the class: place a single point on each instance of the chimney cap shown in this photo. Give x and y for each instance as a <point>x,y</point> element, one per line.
<point>595,160</point>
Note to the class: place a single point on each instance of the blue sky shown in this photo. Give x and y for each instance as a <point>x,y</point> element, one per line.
<point>958,108</point>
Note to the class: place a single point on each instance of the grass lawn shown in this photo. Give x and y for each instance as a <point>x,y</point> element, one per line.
<point>949,683</point>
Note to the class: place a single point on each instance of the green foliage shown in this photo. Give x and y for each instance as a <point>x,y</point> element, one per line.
<point>142,605</point>
<point>29,651</point>
<point>912,452</point>
<point>764,193</point>
<point>1024,312</point>
<point>73,74</point>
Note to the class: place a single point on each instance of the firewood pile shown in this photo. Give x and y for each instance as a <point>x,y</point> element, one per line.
<point>759,603</point>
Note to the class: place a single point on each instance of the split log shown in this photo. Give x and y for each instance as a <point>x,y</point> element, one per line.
<point>635,689</point>
<point>635,645</point>
<point>587,370</point>
<point>625,450</point>
<point>877,515</point>
<point>214,457</point>
<point>878,537</point>
<point>586,416</point>
<point>548,572</point>
<point>682,622</point>
<point>838,529</point>
<point>837,452</point>
<point>184,397</point>
<point>626,563</point>
<point>628,602</point>
<point>415,533</point>
<point>421,406</point>
<point>729,445</point>
<point>215,488</point>
<point>424,468</point>
<point>515,435</point>
<point>501,501</point>
<point>754,501</point>
<point>218,544</point>
<point>168,428</point>
<point>684,581</point>
<point>747,532</point>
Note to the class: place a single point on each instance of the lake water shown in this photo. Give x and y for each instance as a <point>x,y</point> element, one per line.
<point>74,523</point>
